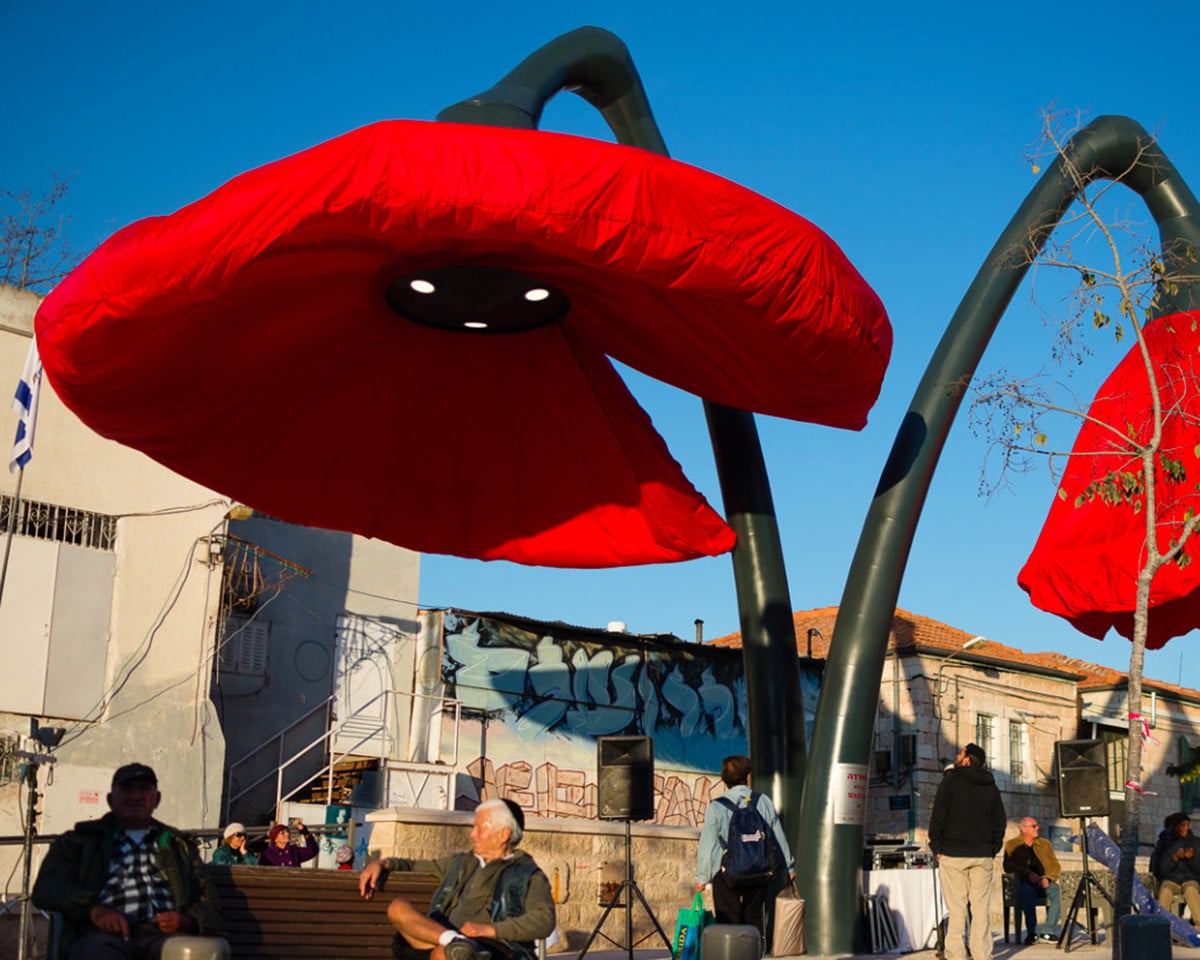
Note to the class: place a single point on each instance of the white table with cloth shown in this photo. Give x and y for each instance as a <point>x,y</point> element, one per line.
<point>910,896</point>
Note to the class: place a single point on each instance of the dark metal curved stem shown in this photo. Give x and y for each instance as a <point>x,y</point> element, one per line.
<point>596,65</point>
<point>828,863</point>
<point>590,62</point>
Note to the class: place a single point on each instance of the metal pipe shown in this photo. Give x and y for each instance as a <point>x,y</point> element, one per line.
<point>596,65</point>
<point>27,855</point>
<point>1109,147</point>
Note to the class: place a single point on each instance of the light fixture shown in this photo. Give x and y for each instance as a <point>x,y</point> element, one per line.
<point>476,298</point>
<point>973,644</point>
<point>938,691</point>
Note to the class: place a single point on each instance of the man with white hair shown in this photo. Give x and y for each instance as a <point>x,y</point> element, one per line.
<point>493,902</point>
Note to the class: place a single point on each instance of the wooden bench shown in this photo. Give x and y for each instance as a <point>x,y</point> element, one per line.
<point>295,912</point>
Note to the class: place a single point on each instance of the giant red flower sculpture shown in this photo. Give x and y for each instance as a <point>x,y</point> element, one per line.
<point>404,332</point>
<point>1086,561</point>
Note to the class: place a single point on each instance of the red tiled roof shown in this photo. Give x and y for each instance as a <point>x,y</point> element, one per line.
<point>910,630</point>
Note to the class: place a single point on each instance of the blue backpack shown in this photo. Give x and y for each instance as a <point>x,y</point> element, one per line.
<point>750,858</point>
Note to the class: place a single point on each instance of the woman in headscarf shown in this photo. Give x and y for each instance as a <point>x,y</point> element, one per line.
<point>281,852</point>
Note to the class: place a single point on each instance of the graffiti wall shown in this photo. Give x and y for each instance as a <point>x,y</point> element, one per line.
<point>535,697</point>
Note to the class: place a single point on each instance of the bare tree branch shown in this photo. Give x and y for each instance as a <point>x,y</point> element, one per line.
<point>35,249</point>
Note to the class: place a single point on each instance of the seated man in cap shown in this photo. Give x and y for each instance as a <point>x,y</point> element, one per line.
<point>493,902</point>
<point>125,883</point>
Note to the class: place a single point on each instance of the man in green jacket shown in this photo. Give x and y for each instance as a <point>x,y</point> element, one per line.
<point>126,883</point>
<point>493,902</point>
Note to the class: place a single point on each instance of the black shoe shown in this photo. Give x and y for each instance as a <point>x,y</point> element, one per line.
<point>460,948</point>
<point>1048,937</point>
<point>1032,938</point>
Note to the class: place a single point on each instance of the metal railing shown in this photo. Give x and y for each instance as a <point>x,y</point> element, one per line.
<point>380,732</point>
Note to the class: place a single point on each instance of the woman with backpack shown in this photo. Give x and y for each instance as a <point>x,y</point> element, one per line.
<point>743,850</point>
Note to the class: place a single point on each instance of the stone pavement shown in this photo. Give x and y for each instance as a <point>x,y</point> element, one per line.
<point>1081,946</point>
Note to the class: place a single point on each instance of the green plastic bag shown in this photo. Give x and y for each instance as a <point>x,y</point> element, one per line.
<point>688,927</point>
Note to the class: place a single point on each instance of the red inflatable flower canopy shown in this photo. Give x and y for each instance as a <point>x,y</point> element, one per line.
<point>1085,564</point>
<point>404,332</point>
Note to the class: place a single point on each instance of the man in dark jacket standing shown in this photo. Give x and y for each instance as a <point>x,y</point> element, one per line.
<point>125,883</point>
<point>966,831</point>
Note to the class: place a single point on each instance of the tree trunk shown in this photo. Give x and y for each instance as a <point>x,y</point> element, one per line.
<point>1133,771</point>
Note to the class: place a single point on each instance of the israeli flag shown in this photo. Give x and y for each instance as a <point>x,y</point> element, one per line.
<point>25,403</point>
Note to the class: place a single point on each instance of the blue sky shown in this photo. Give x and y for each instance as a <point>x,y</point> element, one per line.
<point>899,129</point>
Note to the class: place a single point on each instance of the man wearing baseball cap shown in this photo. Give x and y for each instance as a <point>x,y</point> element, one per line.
<point>966,831</point>
<point>494,903</point>
<point>125,883</point>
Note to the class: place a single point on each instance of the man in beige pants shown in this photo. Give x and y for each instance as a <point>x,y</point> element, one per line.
<point>966,831</point>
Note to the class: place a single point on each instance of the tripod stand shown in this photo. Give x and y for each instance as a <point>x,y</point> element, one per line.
<point>1083,893</point>
<point>628,887</point>
<point>939,927</point>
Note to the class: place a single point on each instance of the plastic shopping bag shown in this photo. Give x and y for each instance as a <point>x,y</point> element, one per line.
<point>688,927</point>
<point>787,938</point>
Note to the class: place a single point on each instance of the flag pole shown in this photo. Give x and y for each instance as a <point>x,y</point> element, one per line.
<point>8,533</point>
<point>25,403</point>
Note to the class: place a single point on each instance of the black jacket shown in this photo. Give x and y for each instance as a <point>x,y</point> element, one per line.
<point>76,867</point>
<point>968,818</point>
<point>1163,864</point>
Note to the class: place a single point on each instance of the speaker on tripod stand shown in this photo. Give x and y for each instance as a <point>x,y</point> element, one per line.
<point>625,778</point>
<point>625,791</point>
<point>1082,778</point>
<point>1082,792</point>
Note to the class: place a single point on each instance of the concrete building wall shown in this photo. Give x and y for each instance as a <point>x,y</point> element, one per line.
<point>157,636</point>
<point>310,578</point>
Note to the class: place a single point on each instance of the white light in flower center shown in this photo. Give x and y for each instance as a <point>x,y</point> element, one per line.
<point>475,325</point>
<point>422,286</point>
<point>536,294</point>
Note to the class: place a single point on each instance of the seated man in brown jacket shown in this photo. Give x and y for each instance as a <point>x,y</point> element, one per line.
<point>1032,859</point>
<point>493,902</point>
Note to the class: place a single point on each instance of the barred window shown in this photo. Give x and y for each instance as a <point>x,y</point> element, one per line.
<point>1116,745</point>
<point>1017,750</point>
<point>985,733</point>
<point>51,521</point>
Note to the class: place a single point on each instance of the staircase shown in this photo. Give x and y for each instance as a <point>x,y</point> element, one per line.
<point>347,774</point>
<point>367,730</point>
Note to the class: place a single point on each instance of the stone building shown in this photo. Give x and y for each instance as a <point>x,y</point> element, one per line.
<point>943,687</point>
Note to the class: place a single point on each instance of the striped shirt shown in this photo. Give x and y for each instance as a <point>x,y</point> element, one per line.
<point>136,887</point>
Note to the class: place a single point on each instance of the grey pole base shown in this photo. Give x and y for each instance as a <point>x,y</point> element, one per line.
<point>195,948</point>
<point>1145,937</point>
<point>730,941</point>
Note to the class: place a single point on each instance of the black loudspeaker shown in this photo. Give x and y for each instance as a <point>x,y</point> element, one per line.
<point>1082,777</point>
<point>625,778</point>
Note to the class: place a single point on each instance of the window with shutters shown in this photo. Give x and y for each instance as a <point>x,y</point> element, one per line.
<point>244,647</point>
<point>1116,746</point>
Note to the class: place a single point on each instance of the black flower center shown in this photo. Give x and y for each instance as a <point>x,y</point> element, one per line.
<point>476,299</point>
